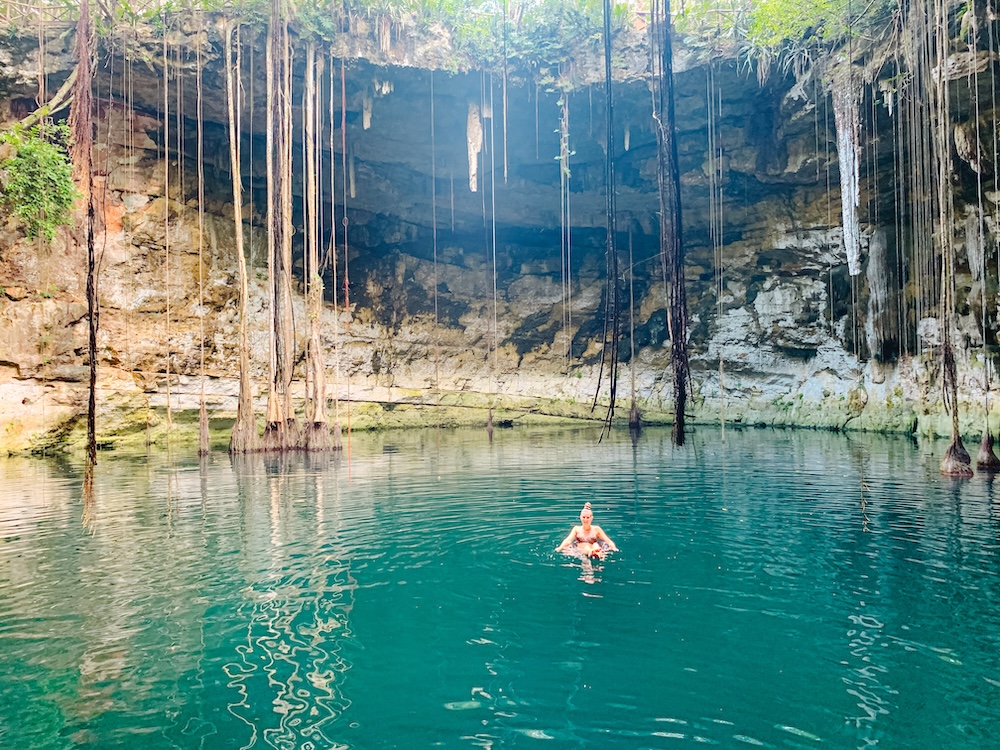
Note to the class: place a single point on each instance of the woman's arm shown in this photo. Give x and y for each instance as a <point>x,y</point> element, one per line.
<point>570,538</point>
<point>606,539</point>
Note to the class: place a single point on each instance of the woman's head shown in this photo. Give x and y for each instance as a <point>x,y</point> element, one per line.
<point>586,515</point>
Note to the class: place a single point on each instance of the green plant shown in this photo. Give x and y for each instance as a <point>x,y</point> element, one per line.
<point>36,181</point>
<point>788,32</point>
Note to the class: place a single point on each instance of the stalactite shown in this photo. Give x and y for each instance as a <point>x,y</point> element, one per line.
<point>353,192</point>
<point>848,124</point>
<point>474,138</point>
<point>974,246</point>
<point>367,100</point>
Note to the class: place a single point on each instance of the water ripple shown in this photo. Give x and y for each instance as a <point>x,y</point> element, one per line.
<point>413,591</point>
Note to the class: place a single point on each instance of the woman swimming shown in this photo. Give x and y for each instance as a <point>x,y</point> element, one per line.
<point>586,539</point>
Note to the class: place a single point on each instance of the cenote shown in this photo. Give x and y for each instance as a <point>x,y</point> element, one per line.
<point>773,589</point>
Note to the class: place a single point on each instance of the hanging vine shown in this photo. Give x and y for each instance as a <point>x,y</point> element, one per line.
<point>668,179</point>
<point>243,438</point>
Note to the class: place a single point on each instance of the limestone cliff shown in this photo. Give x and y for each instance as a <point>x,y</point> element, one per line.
<point>474,253</point>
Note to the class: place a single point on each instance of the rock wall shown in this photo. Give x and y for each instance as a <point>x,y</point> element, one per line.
<point>462,300</point>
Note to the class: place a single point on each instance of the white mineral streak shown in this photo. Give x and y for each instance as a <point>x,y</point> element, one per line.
<point>974,245</point>
<point>351,177</point>
<point>366,111</point>
<point>847,121</point>
<point>474,137</point>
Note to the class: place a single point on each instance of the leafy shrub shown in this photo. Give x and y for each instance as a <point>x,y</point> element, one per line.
<point>36,181</point>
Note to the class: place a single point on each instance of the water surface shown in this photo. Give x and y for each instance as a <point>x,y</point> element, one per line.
<point>777,589</point>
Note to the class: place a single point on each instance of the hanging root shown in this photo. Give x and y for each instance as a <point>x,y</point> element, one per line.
<point>489,424</point>
<point>987,460</point>
<point>956,461</point>
<point>337,442</point>
<point>317,437</point>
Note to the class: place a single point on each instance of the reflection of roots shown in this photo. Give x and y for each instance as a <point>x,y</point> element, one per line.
<point>289,673</point>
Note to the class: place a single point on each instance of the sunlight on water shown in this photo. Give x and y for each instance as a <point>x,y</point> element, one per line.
<point>781,589</point>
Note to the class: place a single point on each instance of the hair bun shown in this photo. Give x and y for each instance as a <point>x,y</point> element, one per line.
<point>586,505</point>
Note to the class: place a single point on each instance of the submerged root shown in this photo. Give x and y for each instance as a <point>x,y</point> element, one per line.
<point>295,437</point>
<point>337,442</point>
<point>634,417</point>
<point>956,461</point>
<point>273,440</point>
<point>243,438</point>
<point>987,460</point>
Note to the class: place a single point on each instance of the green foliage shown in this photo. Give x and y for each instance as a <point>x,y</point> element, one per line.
<point>791,30</point>
<point>36,181</point>
<point>534,34</point>
<point>774,22</point>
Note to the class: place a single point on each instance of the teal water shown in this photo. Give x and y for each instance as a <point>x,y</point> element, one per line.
<point>780,589</point>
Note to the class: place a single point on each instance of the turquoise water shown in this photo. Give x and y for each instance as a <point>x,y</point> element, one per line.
<point>780,589</point>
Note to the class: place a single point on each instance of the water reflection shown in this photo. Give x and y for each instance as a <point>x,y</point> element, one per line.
<point>296,614</point>
<point>266,602</point>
